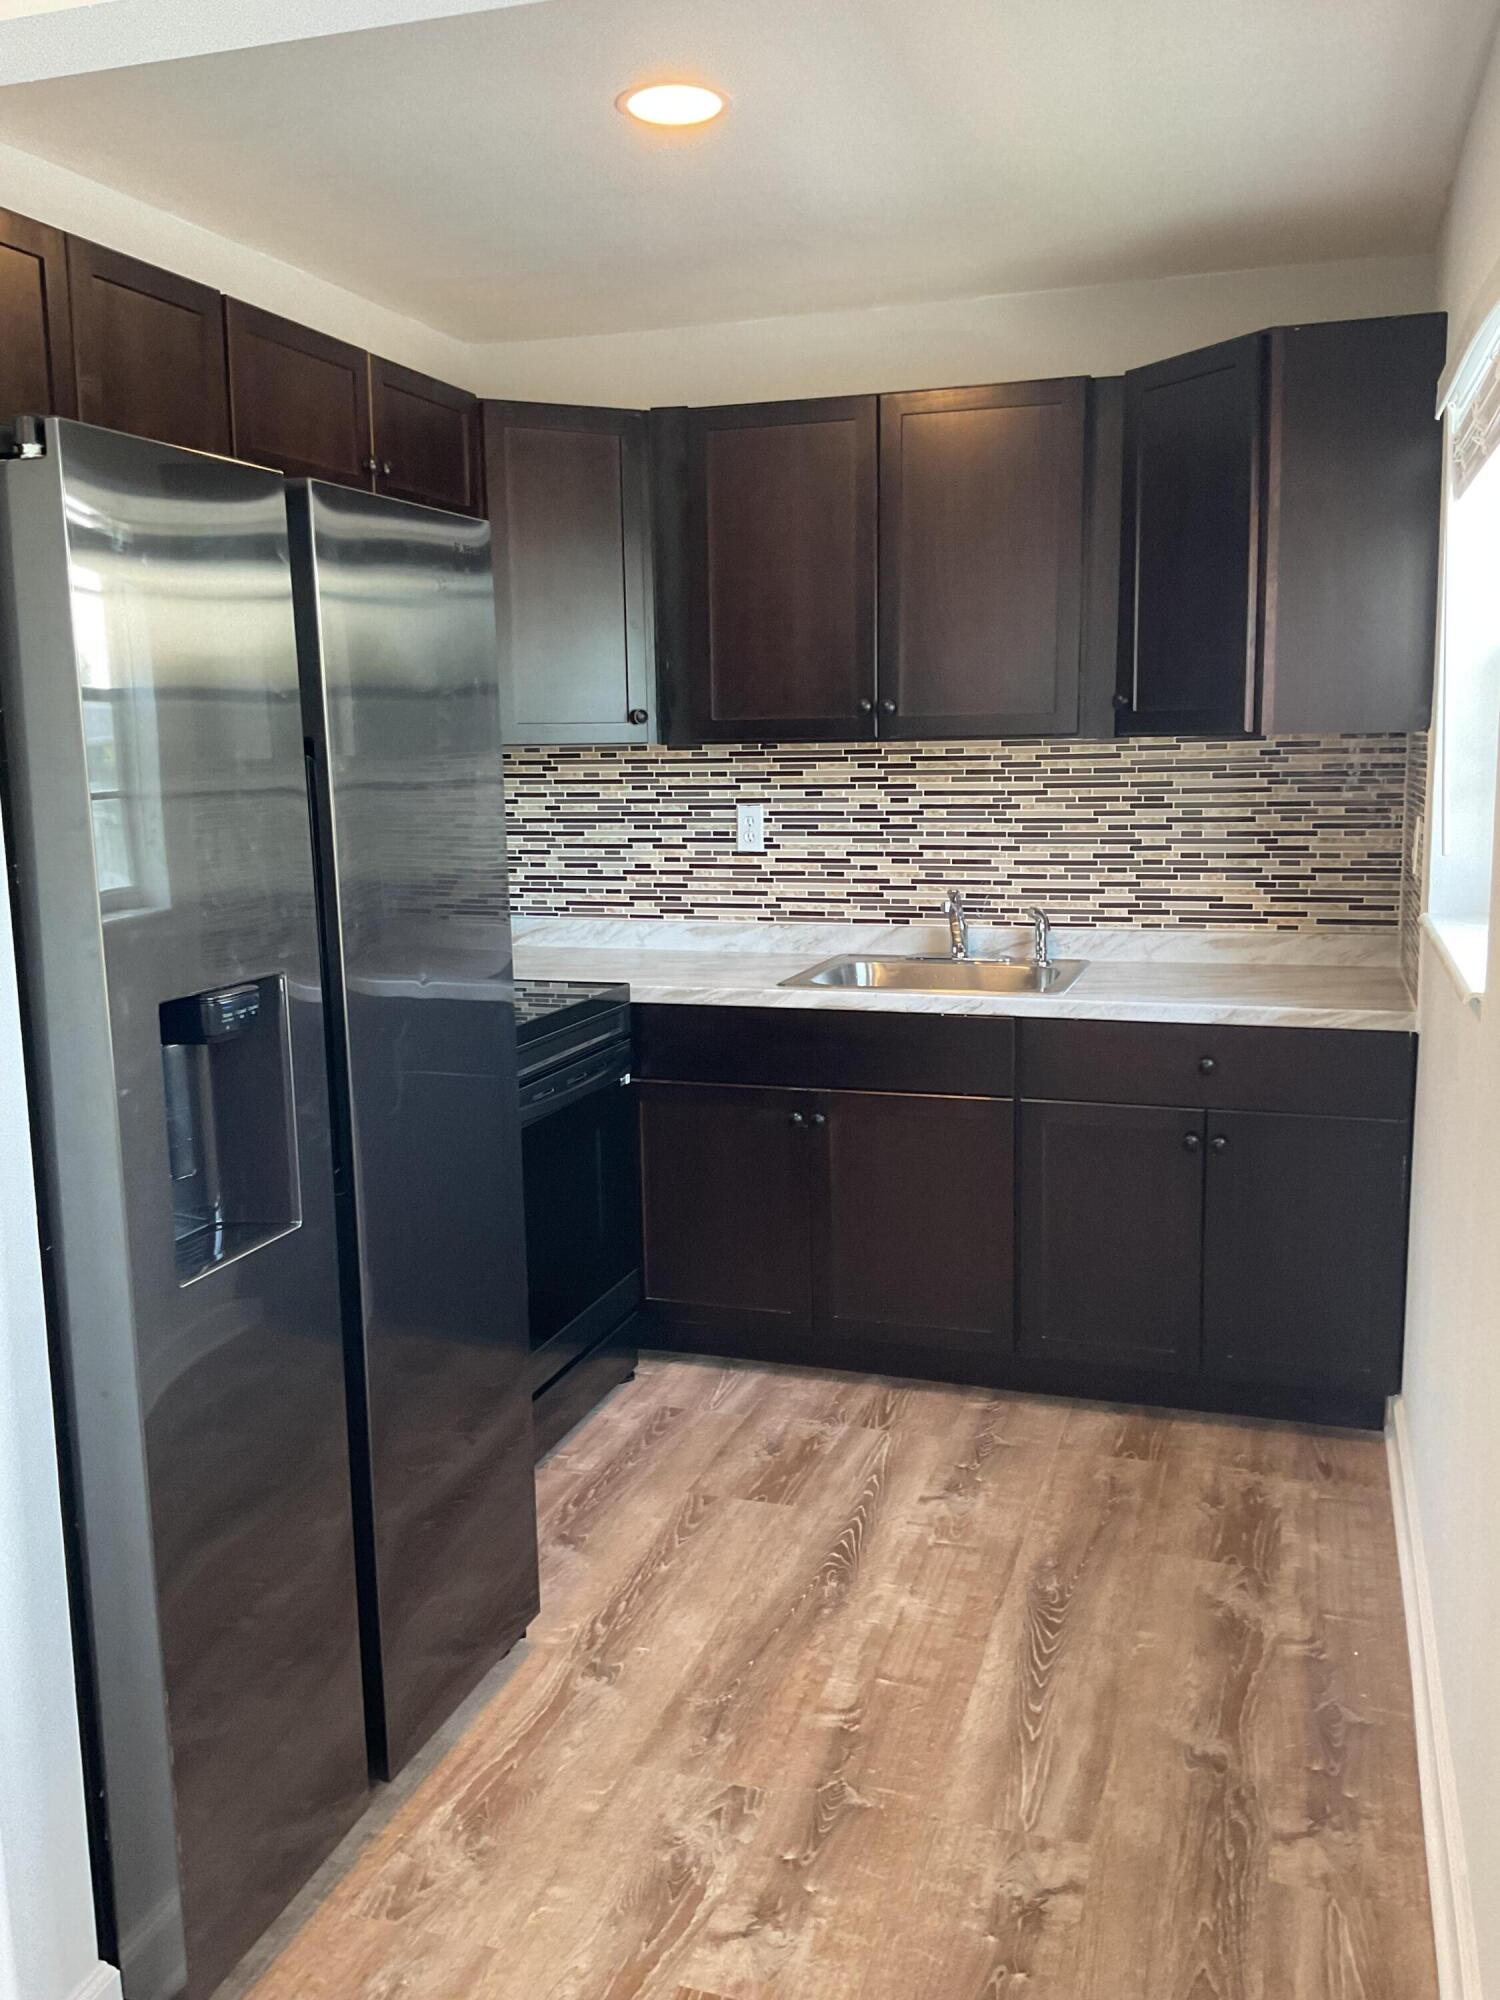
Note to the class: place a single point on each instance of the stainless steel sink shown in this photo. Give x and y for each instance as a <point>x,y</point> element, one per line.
<point>941,975</point>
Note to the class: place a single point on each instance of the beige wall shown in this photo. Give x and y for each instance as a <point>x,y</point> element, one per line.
<point>52,194</point>
<point>1452,1393</point>
<point>1015,336</point>
<point>1091,330</point>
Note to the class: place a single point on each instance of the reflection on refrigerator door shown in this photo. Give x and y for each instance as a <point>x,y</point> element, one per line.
<point>169,943</point>
<point>401,686</point>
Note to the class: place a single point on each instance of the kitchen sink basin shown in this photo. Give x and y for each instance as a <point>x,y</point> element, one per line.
<point>941,975</point>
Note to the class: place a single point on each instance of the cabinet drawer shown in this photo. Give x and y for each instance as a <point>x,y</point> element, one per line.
<point>805,1049</point>
<point>1337,1072</point>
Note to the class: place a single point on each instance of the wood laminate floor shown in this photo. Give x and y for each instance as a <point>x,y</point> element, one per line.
<point>845,1689</point>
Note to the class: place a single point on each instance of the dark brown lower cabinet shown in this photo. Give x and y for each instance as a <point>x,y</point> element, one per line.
<point>1111,1234</point>
<point>836,1215</point>
<point>871,1196</point>
<point>914,1226</point>
<point>1304,1250</point>
<point>725,1187</point>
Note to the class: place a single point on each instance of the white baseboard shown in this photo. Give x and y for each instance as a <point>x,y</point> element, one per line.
<point>103,1983</point>
<point>1447,1868</point>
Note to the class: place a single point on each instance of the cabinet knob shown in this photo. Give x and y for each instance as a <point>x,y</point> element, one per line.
<point>1206,1065</point>
<point>386,468</point>
<point>370,465</point>
<point>635,715</point>
<point>887,707</point>
<point>1219,1143</point>
<point>1190,1142</point>
<point>817,1118</point>
<point>865,704</point>
<point>799,1118</point>
<point>1122,702</point>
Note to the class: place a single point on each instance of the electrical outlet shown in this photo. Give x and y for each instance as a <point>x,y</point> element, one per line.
<point>750,829</point>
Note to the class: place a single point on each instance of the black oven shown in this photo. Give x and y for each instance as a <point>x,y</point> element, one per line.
<point>581,1172</point>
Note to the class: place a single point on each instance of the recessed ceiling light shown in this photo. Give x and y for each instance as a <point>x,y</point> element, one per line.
<point>672,103</point>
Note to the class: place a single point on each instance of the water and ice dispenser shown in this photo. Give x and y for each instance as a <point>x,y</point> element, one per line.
<point>231,1137</point>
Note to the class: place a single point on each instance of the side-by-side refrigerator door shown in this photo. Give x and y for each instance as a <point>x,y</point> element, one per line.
<point>401,681</point>
<point>153,742</point>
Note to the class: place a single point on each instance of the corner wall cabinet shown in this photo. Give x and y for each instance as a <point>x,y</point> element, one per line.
<point>569,505</point>
<point>1280,526</point>
<point>1191,527</point>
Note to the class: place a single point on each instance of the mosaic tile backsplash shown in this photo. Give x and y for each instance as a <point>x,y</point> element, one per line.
<point>1297,832</point>
<point>1414,854</point>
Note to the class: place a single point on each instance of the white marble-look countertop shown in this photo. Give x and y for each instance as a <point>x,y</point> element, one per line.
<point>1241,978</point>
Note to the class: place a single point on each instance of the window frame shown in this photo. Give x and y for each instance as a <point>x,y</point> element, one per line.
<point>1471,454</point>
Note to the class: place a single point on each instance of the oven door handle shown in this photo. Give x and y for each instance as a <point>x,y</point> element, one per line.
<point>541,1099</point>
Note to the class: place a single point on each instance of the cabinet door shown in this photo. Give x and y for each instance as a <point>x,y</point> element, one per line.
<point>1305,1250</point>
<point>36,331</point>
<point>1110,1249</point>
<point>915,1221</point>
<point>299,401</point>
<point>981,560</point>
<point>781,527</point>
<point>567,499</point>
<point>1352,507</point>
<point>1192,431</point>
<point>149,348</point>
<point>426,439</point>
<point>725,1180</point>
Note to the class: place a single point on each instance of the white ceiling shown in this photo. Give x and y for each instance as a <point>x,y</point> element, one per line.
<point>473,172</point>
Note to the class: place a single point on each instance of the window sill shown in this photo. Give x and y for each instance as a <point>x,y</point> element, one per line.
<point>1463,950</point>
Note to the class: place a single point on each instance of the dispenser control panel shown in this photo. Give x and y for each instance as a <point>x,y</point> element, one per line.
<point>210,1017</point>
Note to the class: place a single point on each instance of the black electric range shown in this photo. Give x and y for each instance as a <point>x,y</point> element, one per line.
<point>581,1177</point>
<point>558,1020</point>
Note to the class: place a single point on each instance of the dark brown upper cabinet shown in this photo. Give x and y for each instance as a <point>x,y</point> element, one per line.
<point>299,400</point>
<point>36,331</point>
<point>1191,533</point>
<point>780,571</point>
<point>567,494</point>
<point>426,439</point>
<point>1353,482</point>
<point>149,350</point>
<point>1280,533</point>
<point>981,560</point>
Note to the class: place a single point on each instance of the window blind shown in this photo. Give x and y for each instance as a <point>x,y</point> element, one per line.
<point>1476,426</point>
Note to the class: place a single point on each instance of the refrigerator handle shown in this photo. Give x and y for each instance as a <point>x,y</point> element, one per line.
<point>333,985</point>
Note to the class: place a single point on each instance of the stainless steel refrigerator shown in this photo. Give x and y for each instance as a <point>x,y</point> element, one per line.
<point>400,677</point>
<point>245,1020</point>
